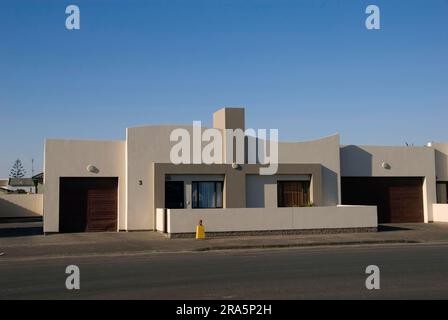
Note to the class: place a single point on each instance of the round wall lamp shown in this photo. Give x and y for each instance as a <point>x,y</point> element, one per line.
<point>385,165</point>
<point>92,169</point>
<point>235,165</point>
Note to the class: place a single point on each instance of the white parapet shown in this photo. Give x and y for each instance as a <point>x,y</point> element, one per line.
<point>21,205</point>
<point>160,219</point>
<point>440,212</point>
<point>272,219</point>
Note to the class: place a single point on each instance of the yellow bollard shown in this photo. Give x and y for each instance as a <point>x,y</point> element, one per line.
<point>200,231</point>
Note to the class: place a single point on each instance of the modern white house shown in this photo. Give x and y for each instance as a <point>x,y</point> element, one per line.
<point>319,186</point>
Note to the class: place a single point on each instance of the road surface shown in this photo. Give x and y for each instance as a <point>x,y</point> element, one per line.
<point>406,272</point>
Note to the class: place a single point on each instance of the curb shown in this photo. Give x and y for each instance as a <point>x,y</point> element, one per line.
<point>203,249</point>
<point>298,245</point>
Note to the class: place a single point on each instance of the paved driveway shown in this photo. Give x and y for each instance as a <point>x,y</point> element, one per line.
<point>25,241</point>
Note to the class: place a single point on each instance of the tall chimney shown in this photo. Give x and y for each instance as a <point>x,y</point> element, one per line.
<point>229,118</point>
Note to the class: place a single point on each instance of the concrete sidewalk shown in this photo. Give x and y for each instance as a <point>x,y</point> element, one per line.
<point>22,241</point>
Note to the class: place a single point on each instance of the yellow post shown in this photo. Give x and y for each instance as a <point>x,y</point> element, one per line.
<point>200,231</point>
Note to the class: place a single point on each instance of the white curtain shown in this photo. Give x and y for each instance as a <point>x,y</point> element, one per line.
<point>207,194</point>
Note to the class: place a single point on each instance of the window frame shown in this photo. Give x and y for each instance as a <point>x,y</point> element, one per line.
<point>196,201</point>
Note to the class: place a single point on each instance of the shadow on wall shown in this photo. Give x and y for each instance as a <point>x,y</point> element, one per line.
<point>356,161</point>
<point>441,161</point>
<point>329,187</point>
<point>11,210</point>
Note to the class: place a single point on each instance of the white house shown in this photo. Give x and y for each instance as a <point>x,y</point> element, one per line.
<point>318,186</point>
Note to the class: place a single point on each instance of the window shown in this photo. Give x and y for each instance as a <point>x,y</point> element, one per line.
<point>207,194</point>
<point>293,193</point>
<point>442,192</point>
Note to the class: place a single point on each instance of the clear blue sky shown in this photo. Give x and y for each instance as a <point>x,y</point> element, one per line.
<point>309,68</point>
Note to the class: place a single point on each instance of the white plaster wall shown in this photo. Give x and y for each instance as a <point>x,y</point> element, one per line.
<point>366,161</point>
<point>262,219</point>
<point>440,212</point>
<point>324,151</point>
<point>261,191</point>
<point>21,205</point>
<point>69,158</point>
<point>145,145</point>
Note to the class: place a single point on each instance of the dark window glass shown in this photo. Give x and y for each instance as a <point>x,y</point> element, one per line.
<point>442,192</point>
<point>293,193</point>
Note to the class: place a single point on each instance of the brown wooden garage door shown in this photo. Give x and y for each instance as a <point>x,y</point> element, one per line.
<point>398,199</point>
<point>88,204</point>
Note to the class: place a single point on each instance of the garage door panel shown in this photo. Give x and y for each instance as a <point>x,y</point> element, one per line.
<point>397,199</point>
<point>88,204</point>
<point>102,210</point>
<point>406,204</point>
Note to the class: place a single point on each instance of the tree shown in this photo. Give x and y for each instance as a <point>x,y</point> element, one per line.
<point>17,170</point>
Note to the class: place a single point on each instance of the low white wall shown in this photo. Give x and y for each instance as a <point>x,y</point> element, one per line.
<point>160,217</point>
<point>440,212</point>
<point>262,219</point>
<point>21,205</point>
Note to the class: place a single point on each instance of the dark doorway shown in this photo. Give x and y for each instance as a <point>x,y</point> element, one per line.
<point>398,199</point>
<point>88,204</point>
<point>174,194</point>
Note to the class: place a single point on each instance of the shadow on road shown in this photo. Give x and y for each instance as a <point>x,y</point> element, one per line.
<point>20,227</point>
<point>384,228</point>
<point>20,232</point>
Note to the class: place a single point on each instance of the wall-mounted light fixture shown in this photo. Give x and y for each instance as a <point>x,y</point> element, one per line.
<point>235,166</point>
<point>140,182</point>
<point>92,169</point>
<point>385,165</point>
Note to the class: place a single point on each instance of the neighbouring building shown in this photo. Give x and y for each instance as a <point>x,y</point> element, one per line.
<point>19,201</point>
<point>23,185</point>
<point>38,181</point>
<point>320,185</point>
<point>4,186</point>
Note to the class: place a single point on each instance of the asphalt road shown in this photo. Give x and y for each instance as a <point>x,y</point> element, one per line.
<point>407,272</point>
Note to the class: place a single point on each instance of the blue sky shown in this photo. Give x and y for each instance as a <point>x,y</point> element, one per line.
<point>309,68</point>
